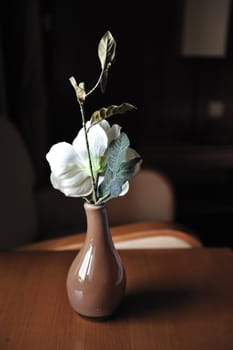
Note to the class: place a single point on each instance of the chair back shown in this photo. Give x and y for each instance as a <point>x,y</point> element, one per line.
<point>150,197</point>
<point>18,218</point>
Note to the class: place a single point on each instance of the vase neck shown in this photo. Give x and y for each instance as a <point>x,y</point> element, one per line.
<point>97,221</point>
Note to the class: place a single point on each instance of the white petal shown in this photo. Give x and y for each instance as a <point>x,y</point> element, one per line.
<point>72,190</point>
<point>98,141</point>
<point>114,132</point>
<point>70,180</point>
<point>105,125</point>
<point>131,154</point>
<point>61,155</point>
<point>85,189</point>
<point>100,180</point>
<point>125,189</point>
<point>80,147</point>
<point>73,177</point>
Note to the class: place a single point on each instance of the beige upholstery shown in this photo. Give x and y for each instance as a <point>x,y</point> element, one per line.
<point>150,197</point>
<point>156,242</point>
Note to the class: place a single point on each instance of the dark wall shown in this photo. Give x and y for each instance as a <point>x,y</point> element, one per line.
<point>194,149</point>
<point>171,92</point>
<point>171,128</point>
<point>179,88</point>
<point>75,29</point>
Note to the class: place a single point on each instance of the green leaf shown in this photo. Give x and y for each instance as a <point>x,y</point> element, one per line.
<point>117,151</point>
<point>125,172</point>
<point>127,168</point>
<point>118,169</point>
<point>104,188</point>
<point>105,113</point>
<point>116,155</point>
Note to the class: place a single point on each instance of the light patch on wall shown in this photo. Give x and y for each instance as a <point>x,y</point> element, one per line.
<point>205,28</point>
<point>216,109</point>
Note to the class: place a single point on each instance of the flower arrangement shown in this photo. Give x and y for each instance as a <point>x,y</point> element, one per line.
<point>98,164</point>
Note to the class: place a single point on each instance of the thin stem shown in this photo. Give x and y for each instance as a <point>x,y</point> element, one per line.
<point>96,85</point>
<point>88,152</point>
<point>104,199</point>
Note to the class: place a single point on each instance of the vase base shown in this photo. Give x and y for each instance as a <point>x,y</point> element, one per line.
<point>97,318</point>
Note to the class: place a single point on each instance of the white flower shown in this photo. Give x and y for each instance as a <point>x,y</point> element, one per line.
<point>70,168</point>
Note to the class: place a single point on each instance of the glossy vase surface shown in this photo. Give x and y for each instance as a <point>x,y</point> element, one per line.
<point>96,278</point>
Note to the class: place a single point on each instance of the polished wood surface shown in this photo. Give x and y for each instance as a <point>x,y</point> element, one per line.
<point>128,232</point>
<point>176,299</point>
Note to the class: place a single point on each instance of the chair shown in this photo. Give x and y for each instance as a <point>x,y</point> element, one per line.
<point>150,197</point>
<point>19,221</point>
<point>29,214</point>
<point>145,216</point>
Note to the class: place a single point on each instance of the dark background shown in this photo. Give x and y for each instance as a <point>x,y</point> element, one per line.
<point>43,43</point>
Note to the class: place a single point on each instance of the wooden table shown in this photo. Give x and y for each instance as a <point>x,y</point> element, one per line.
<point>175,299</point>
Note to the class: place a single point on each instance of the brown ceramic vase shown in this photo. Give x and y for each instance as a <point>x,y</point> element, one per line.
<point>96,278</point>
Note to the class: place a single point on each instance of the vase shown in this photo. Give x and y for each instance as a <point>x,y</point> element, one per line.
<point>96,279</point>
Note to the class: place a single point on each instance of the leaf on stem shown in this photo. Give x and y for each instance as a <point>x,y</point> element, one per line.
<point>118,169</point>
<point>79,89</point>
<point>106,53</point>
<point>107,50</point>
<point>125,172</point>
<point>105,113</point>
